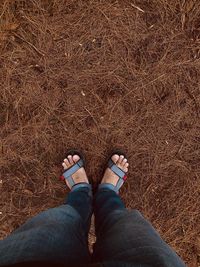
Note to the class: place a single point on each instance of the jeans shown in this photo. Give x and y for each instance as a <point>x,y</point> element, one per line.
<point>124,238</point>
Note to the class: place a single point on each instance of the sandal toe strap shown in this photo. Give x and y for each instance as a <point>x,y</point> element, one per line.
<point>120,173</point>
<point>69,172</point>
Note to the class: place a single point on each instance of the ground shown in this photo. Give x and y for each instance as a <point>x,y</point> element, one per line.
<point>98,74</point>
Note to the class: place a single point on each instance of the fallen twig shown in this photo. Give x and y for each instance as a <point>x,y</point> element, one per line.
<point>34,47</point>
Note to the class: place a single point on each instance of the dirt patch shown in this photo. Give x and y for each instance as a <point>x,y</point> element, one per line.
<point>97,75</point>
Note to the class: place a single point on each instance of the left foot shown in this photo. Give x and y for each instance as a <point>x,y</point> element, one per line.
<point>109,176</point>
<point>80,176</point>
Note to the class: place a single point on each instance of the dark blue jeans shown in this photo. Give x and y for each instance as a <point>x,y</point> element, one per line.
<point>124,238</point>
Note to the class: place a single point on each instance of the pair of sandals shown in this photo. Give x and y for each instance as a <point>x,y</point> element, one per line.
<point>67,174</point>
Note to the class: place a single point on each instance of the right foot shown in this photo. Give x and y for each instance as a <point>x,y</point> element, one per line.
<point>109,176</point>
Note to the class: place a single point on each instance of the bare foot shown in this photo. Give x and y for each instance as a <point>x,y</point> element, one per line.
<point>79,176</point>
<point>109,176</point>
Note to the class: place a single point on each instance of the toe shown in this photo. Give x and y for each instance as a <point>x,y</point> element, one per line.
<point>115,158</point>
<point>70,159</point>
<point>67,163</point>
<point>125,169</point>
<point>76,158</point>
<point>124,161</point>
<point>126,165</point>
<point>121,157</point>
<point>64,166</point>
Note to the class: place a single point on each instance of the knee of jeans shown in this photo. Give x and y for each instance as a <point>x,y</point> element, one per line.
<point>133,212</point>
<point>127,218</point>
<point>126,212</point>
<point>63,214</point>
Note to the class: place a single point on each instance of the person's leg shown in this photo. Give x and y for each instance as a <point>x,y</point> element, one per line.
<point>126,236</point>
<point>57,235</point>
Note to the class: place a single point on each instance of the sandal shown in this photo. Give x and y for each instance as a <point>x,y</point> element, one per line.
<point>119,172</point>
<point>67,174</point>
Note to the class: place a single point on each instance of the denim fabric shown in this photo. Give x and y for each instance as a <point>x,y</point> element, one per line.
<point>124,238</point>
<point>55,235</point>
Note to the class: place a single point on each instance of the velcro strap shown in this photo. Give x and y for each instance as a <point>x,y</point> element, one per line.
<point>69,172</point>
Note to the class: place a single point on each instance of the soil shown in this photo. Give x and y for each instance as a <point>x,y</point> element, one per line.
<point>95,75</point>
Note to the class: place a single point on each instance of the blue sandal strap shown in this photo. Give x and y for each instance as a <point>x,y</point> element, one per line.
<point>70,180</point>
<point>69,172</point>
<point>119,184</point>
<point>120,173</point>
<point>116,169</point>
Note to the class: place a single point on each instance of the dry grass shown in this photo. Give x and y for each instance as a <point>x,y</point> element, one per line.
<point>96,75</point>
